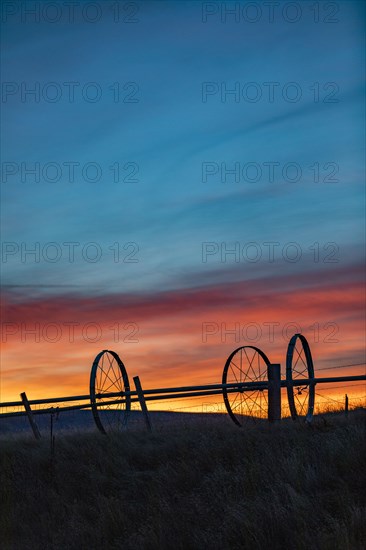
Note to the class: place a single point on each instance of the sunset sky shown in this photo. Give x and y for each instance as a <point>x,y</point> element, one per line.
<point>194,173</point>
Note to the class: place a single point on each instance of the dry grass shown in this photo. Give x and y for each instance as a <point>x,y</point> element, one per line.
<point>202,485</point>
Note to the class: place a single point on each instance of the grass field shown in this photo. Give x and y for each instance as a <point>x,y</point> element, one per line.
<point>198,484</point>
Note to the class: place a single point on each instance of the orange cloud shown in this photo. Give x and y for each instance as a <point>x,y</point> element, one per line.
<point>178,337</point>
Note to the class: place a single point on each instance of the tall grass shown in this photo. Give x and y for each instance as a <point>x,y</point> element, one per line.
<point>200,485</point>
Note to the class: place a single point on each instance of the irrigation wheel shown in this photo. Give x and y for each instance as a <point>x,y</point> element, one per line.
<point>245,364</point>
<point>108,375</point>
<point>299,364</point>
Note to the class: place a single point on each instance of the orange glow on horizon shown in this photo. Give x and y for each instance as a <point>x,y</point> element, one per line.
<point>179,339</point>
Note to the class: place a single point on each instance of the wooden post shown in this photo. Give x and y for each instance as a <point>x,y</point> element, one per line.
<point>28,410</point>
<point>346,405</point>
<point>140,395</point>
<point>274,392</point>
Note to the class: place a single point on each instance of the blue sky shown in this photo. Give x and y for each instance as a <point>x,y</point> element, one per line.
<point>170,132</point>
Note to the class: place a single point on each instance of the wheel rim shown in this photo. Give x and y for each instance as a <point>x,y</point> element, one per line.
<point>245,364</point>
<point>299,364</point>
<point>109,375</point>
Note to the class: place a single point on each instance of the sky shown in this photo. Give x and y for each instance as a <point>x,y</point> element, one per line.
<point>177,181</point>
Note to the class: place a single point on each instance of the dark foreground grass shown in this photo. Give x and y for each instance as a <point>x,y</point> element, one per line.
<point>206,485</point>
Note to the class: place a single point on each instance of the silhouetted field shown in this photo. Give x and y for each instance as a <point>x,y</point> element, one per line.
<point>83,420</point>
<point>200,483</point>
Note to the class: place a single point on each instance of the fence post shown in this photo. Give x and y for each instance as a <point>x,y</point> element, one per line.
<point>274,392</point>
<point>346,405</point>
<point>140,395</point>
<point>28,410</point>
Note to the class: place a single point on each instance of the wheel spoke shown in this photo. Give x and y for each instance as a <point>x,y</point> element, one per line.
<point>234,374</point>
<point>299,365</point>
<point>109,376</point>
<point>103,371</point>
<point>247,365</point>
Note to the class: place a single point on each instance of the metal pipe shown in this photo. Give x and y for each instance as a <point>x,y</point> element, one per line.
<point>308,381</point>
<point>48,400</point>
<point>134,400</point>
<point>131,393</point>
<point>174,393</point>
<point>47,411</point>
